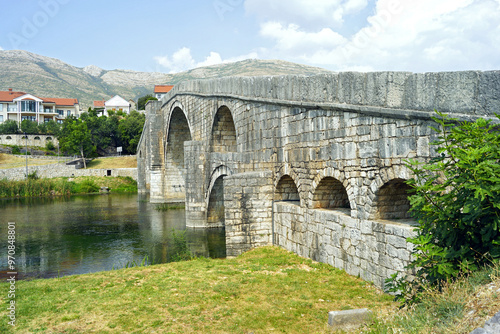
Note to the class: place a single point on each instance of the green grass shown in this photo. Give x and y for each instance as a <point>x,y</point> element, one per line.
<point>264,290</point>
<point>63,186</point>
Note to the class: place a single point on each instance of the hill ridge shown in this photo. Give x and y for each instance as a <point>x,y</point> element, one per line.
<point>45,76</point>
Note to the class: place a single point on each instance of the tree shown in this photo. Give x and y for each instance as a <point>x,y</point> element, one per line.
<point>130,130</point>
<point>456,202</point>
<point>76,138</point>
<point>141,103</point>
<point>9,127</point>
<point>29,127</point>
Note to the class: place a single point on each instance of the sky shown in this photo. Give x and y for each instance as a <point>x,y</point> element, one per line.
<point>171,36</point>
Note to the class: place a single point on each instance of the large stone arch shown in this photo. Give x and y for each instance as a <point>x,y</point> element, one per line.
<point>215,197</point>
<point>223,136</point>
<point>178,132</point>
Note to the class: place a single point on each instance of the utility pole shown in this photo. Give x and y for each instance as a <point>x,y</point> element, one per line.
<point>26,138</point>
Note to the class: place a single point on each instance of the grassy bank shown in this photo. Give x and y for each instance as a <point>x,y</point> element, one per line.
<point>12,161</point>
<point>65,186</point>
<point>114,162</point>
<point>265,290</point>
<point>457,308</point>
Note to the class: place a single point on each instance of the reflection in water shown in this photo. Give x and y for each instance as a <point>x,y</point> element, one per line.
<point>82,234</point>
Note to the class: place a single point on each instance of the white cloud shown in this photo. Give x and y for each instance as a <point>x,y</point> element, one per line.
<point>1,48</point>
<point>431,35</point>
<point>182,60</point>
<point>293,39</point>
<point>311,14</point>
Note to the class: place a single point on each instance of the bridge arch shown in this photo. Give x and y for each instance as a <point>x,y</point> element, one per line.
<point>330,189</point>
<point>388,198</point>
<point>215,197</point>
<point>178,132</point>
<point>223,135</point>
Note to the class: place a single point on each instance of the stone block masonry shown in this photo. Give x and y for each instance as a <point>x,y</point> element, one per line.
<point>60,170</point>
<point>317,162</point>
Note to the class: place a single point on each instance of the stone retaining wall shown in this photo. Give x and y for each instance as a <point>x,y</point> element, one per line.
<point>374,250</point>
<point>33,140</point>
<point>60,170</point>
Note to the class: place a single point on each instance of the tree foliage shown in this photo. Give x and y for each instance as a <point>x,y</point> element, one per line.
<point>9,127</point>
<point>130,130</point>
<point>456,202</point>
<point>76,138</point>
<point>141,103</point>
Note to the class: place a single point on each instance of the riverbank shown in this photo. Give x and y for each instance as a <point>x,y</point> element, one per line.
<point>62,186</point>
<point>264,290</point>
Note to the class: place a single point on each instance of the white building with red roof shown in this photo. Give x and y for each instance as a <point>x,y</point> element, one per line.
<point>19,106</point>
<point>161,90</point>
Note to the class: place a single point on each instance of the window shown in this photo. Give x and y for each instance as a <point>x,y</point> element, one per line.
<point>12,108</point>
<point>1,117</point>
<point>60,121</point>
<point>28,106</point>
<point>1,107</point>
<point>68,113</point>
<point>29,118</point>
<point>47,120</point>
<point>60,112</point>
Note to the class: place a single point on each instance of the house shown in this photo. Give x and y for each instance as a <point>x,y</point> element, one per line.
<point>19,106</point>
<point>116,103</point>
<point>99,105</point>
<point>161,90</point>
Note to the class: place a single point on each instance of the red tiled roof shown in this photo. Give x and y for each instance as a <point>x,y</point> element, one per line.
<point>9,96</point>
<point>99,104</point>
<point>163,88</point>
<point>60,102</point>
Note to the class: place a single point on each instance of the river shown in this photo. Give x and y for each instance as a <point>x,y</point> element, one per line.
<point>83,234</point>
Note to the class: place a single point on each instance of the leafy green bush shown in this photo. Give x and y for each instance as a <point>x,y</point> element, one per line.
<point>16,150</point>
<point>87,186</point>
<point>456,202</point>
<point>50,146</point>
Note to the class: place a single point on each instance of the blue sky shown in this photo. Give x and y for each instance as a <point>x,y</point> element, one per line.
<point>171,36</point>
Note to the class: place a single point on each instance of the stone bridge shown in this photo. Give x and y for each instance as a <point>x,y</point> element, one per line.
<point>313,164</point>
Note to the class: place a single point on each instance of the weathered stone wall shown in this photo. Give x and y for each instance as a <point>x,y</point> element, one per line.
<point>33,140</point>
<point>248,211</point>
<point>371,249</point>
<point>335,141</point>
<point>60,170</point>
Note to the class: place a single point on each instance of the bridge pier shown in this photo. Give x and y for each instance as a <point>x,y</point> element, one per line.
<point>195,157</point>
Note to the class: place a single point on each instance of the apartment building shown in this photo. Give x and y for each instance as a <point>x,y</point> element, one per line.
<point>19,106</point>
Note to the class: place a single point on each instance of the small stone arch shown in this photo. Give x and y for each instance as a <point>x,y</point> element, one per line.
<point>341,184</point>
<point>391,200</point>
<point>24,137</point>
<point>37,138</point>
<point>330,194</point>
<point>223,135</point>
<point>287,170</point>
<point>8,137</point>
<point>48,138</point>
<point>215,197</point>
<point>219,171</point>
<point>286,190</point>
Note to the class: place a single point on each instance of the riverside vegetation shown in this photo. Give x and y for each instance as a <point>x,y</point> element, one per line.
<point>60,186</point>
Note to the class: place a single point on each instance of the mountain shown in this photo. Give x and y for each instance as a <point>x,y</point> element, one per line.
<point>49,77</point>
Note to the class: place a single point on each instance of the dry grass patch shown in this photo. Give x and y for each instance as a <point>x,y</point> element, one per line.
<point>264,290</point>
<point>115,162</point>
<point>12,161</point>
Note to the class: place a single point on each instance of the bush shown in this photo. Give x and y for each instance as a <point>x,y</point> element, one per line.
<point>16,150</point>
<point>456,203</point>
<point>50,146</point>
